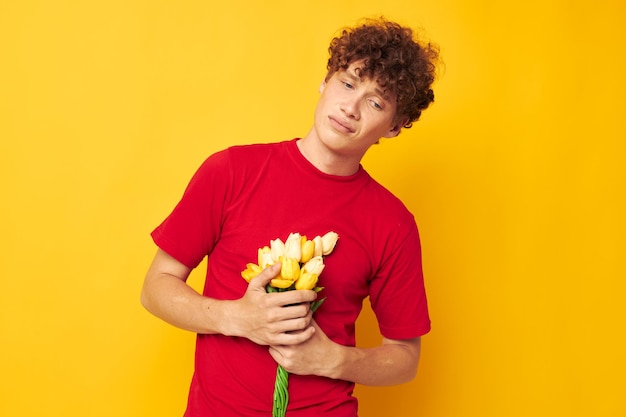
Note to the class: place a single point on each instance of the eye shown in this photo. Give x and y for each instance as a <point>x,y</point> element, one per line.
<point>376,105</point>
<point>348,85</point>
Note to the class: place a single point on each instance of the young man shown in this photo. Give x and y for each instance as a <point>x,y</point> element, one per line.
<point>379,80</point>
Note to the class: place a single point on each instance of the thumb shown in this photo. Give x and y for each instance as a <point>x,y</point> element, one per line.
<point>264,278</point>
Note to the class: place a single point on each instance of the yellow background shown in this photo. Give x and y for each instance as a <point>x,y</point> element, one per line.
<point>515,175</point>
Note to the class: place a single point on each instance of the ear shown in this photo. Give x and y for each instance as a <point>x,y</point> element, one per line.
<point>396,128</point>
<point>322,86</point>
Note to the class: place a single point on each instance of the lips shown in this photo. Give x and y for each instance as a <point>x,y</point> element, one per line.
<point>340,125</point>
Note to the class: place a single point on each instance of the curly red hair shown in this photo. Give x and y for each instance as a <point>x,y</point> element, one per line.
<point>393,57</point>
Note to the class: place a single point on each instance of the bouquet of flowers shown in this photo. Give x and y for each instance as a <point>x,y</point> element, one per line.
<point>301,265</point>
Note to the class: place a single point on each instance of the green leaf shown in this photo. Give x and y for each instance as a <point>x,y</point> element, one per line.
<point>317,304</point>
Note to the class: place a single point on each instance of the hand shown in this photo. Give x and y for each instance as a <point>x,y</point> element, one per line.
<point>281,318</point>
<point>318,355</point>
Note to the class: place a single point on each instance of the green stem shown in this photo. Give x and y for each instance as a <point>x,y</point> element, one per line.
<point>281,392</point>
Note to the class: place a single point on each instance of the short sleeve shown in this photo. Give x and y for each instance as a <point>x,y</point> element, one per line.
<point>397,292</point>
<point>190,231</point>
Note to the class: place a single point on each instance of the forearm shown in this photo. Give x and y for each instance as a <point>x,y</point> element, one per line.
<point>392,363</point>
<point>175,302</point>
<point>278,318</point>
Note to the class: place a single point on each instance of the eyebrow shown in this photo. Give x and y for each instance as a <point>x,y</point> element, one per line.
<point>354,77</point>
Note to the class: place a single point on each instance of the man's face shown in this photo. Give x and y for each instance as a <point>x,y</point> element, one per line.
<point>353,113</point>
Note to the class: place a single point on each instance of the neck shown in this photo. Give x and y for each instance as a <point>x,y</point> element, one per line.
<point>325,159</point>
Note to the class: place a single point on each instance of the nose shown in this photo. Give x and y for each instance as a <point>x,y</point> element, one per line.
<point>350,107</point>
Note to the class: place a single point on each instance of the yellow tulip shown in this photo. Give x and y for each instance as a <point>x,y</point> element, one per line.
<point>329,240</point>
<point>308,249</point>
<point>314,266</point>
<point>301,260</point>
<point>265,257</point>
<point>281,283</point>
<point>310,273</point>
<point>317,241</point>
<point>307,281</point>
<point>290,269</point>
<point>277,249</point>
<point>251,271</point>
<point>293,249</point>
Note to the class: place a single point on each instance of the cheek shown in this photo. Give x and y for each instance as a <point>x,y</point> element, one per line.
<point>379,119</point>
<point>319,109</point>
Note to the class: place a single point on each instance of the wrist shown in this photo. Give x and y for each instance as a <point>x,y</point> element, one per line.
<point>212,317</point>
<point>229,318</point>
<point>337,358</point>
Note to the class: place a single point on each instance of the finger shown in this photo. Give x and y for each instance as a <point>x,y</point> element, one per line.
<point>268,274</point>
<point>292,325</point>
<point>297,297</point>
<point>290,312</point>
<point>276,354</point>
<point>315,325</point>
<point>290,339</point>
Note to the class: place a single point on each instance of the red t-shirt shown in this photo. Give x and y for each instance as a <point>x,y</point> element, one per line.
<point>245,196</point>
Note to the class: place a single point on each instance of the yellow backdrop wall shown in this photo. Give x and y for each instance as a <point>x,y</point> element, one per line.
<point>516,177</point>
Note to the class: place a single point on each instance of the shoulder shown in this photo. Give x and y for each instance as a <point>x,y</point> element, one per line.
<point>239,158</point>
<point>256,150</point>
<point>384,201</point>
